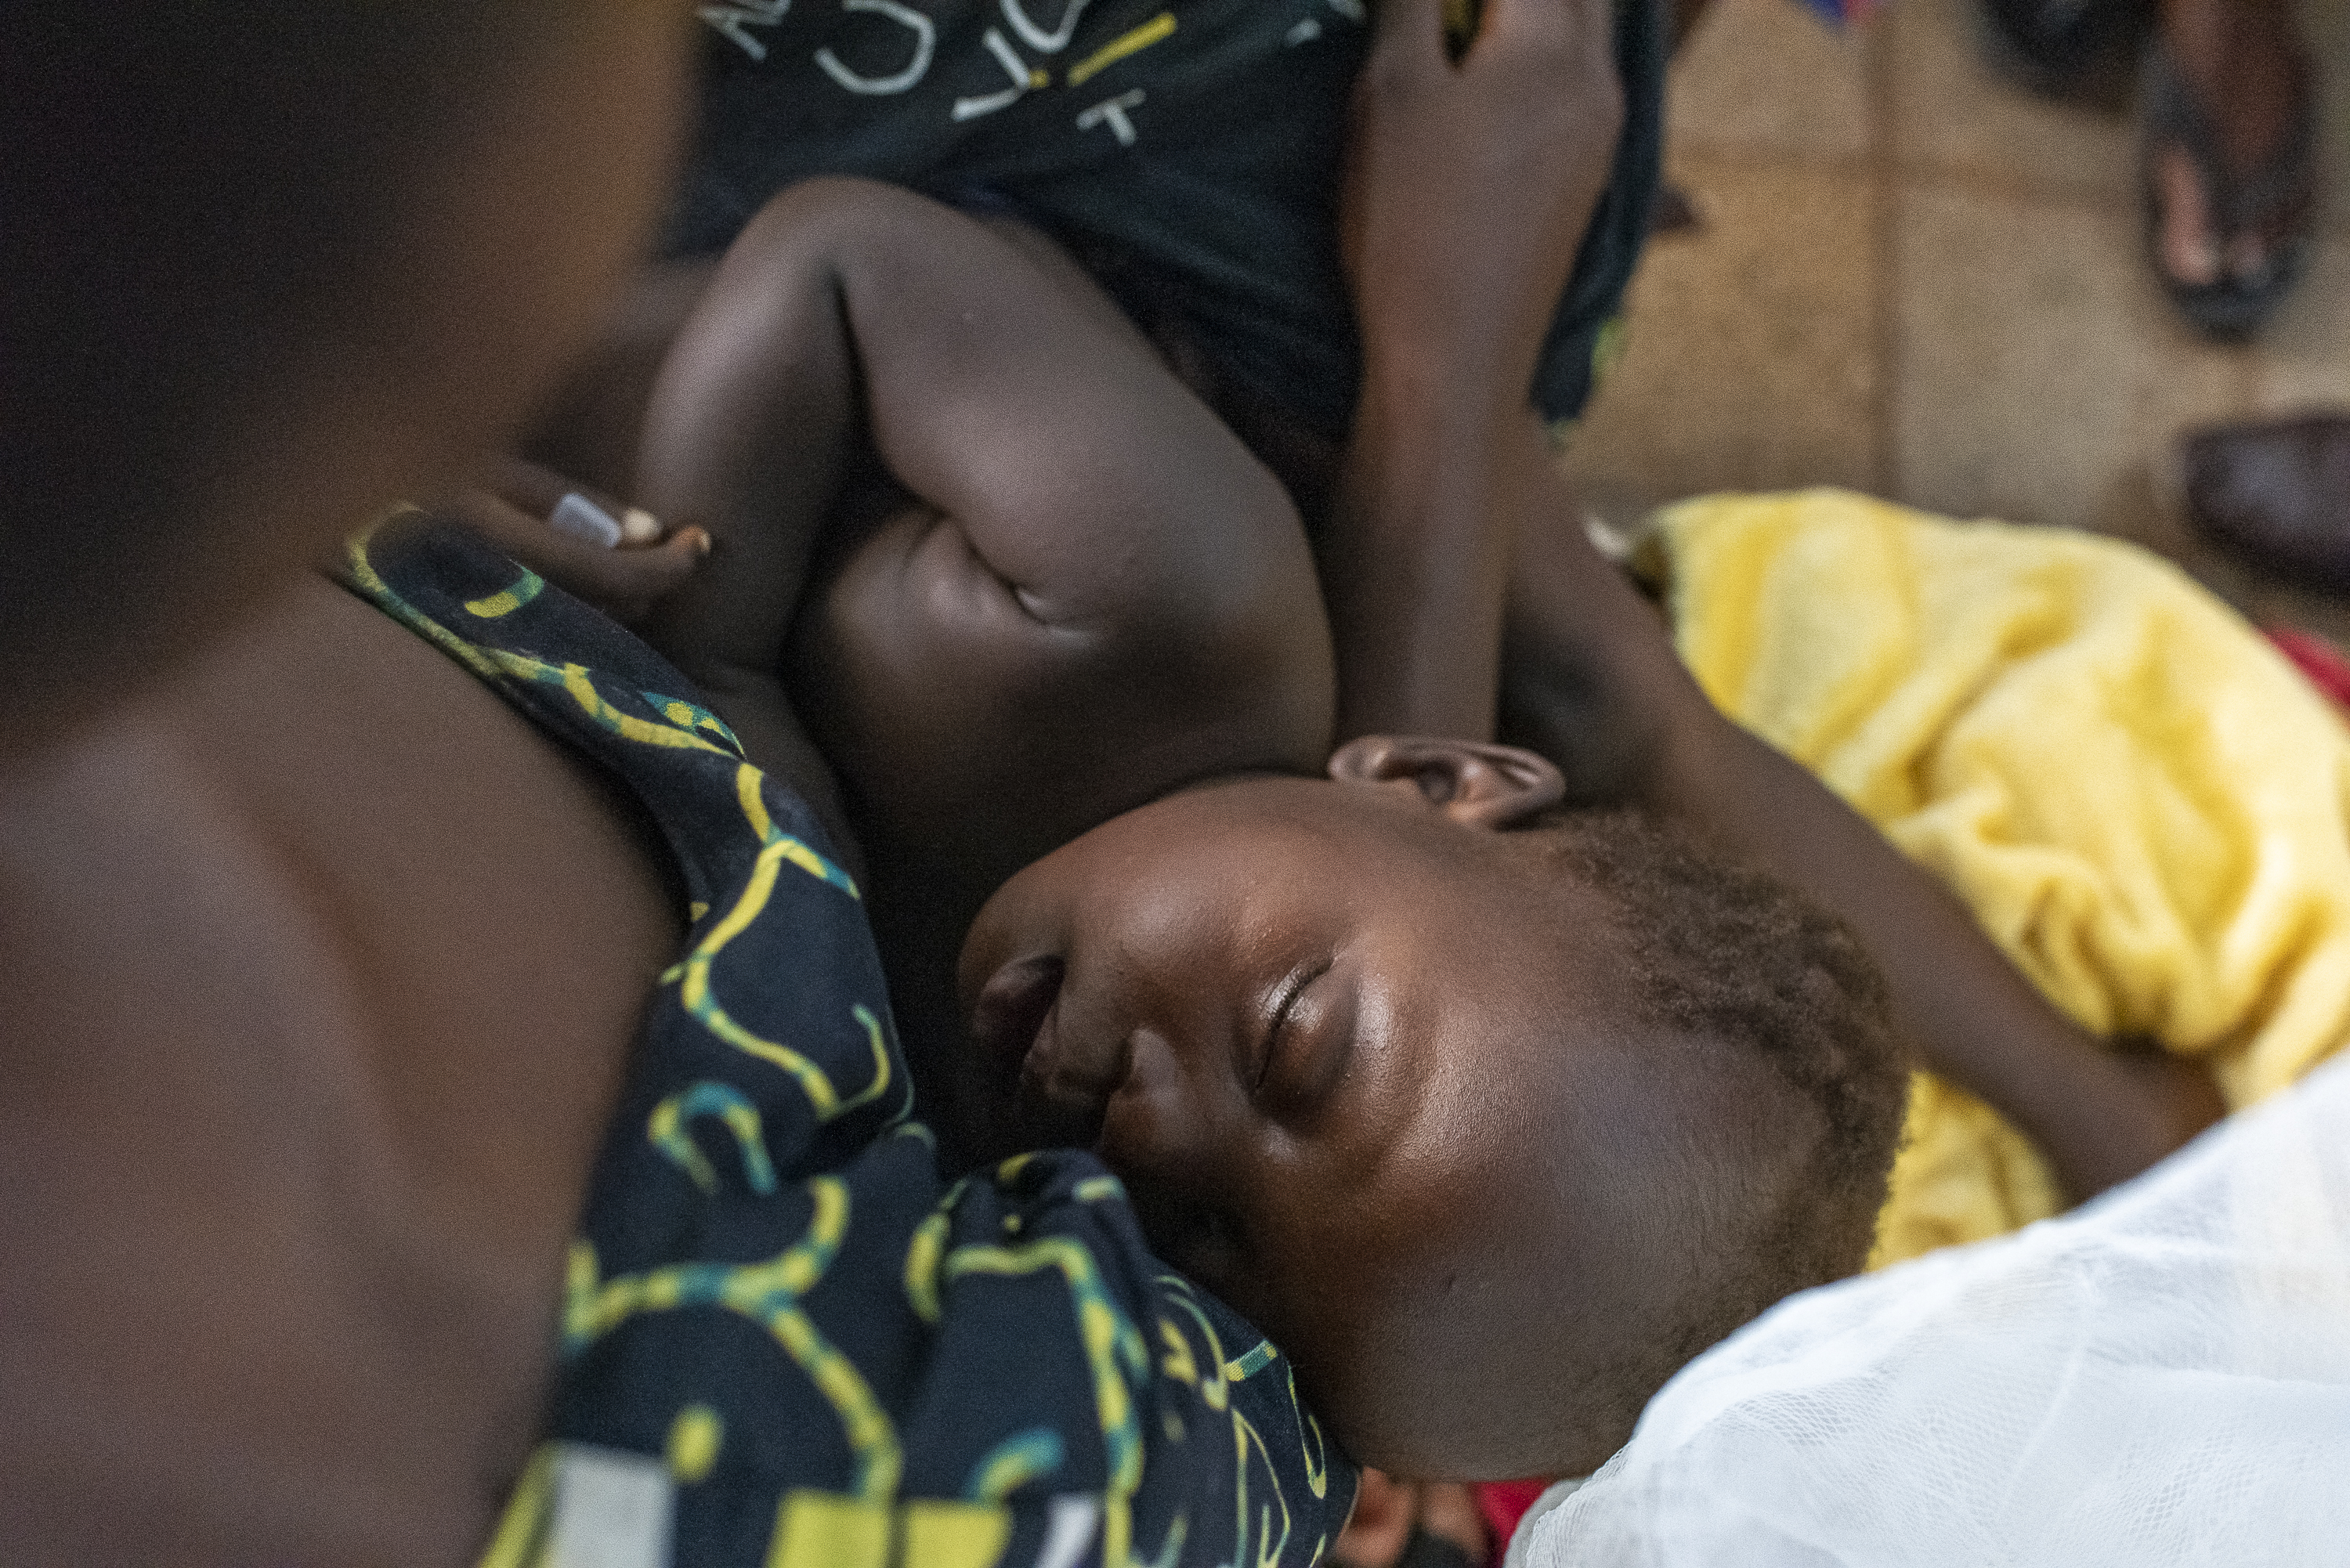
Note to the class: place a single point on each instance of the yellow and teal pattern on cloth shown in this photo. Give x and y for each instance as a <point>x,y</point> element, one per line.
<point>792,1340</point>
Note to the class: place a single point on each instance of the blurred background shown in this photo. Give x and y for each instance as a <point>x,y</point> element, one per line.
<point>1911,278</point>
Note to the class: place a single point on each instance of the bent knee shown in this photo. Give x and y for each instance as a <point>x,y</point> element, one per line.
<point>831,222</point>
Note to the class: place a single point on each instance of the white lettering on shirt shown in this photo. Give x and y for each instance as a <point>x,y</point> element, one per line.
<point>926,38</point>
<point>1035,37</point>
<point>1013,66</point>
<point>731,19</point>
<point>1111,111</point>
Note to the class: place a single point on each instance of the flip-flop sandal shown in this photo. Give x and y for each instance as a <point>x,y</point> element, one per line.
<point>2273,200</point>
<point>2069,49</point>
<point>2276,492</point>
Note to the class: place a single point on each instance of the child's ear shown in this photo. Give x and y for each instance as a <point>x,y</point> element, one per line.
<point>1474,782</point>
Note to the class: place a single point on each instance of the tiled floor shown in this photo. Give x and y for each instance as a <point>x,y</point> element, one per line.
<point>1914,279</point>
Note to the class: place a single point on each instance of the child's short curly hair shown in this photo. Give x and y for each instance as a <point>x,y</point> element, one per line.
<point>1734,960</point>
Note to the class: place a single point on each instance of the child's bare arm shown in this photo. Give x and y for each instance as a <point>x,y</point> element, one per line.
<point>748,434</point>
<point>1468,189</point>
<point>1078,554</point>
<point>1593,683</point>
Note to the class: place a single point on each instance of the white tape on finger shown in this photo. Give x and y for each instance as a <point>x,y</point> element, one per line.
<point>582,519</point>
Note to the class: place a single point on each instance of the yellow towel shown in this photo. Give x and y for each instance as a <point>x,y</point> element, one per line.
<point>2142,803</point>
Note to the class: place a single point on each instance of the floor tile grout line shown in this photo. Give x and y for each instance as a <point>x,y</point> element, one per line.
<point>1981,183</point>
<point>1921,179</point>
<point>1885,207</point>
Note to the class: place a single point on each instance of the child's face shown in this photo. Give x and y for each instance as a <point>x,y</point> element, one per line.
<point>1350,1088</point>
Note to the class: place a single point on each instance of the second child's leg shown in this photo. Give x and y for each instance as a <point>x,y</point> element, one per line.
<point>1032,575</point>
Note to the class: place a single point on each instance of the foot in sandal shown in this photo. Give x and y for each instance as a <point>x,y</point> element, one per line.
<point>2228,143</point>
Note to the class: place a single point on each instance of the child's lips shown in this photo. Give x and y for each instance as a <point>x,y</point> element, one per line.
<point>1012,1008</point>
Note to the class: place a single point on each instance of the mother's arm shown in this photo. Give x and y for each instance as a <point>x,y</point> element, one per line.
<point>1456,566</point>
<point>1468,187</point>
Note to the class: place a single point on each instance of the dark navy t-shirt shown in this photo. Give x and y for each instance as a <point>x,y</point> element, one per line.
<point>785,1338</point>
<point>1188,150</point>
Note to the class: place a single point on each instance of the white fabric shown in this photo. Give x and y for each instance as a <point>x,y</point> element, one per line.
<point>2162,1376</point>
<point>1514,1555</point>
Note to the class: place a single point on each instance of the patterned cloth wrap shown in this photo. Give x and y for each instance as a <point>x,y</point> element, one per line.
<point>786,1338</point>
<point>1187,151</point>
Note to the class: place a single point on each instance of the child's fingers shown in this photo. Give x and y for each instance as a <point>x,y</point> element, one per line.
<point>625,583</point>
<point>1548,23</point>
<point>628,583</point>
<point>580,511</point>
<point>521,531</point>
<point>640,527</point>
<point>531,487</point>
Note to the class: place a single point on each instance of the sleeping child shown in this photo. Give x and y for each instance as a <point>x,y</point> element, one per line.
<point>1490,1115</point>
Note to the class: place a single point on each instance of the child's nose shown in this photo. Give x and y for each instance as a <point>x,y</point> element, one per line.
<point>1176,1104</point>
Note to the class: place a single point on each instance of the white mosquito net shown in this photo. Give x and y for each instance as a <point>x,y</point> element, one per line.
<point>2161,1377</point>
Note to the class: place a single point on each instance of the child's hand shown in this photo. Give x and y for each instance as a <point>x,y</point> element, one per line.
<point>2134,1104</point>
<point>1469,186</point>
<point>559,530</point>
